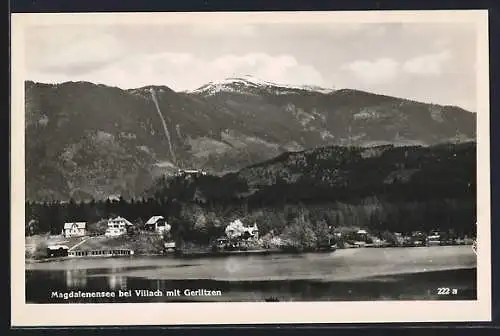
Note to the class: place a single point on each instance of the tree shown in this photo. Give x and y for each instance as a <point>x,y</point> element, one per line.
<point>31,227</point>
<point>132,230</point>
<point>322,232</point>
<point>300,235</point>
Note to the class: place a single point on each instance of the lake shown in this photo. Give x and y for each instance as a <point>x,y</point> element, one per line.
<point>361,274</point>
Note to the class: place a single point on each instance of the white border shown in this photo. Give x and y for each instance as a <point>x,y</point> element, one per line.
<point>247,313</point>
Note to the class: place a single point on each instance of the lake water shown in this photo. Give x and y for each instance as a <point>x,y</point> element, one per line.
<point>346,274</point>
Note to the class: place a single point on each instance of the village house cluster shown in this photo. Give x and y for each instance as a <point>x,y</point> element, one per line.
<point>240,236</point>
<point>236,233</point>
<point>116,226</point>
<point>363,238</point>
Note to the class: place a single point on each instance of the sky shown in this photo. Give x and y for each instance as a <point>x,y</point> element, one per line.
<point>428,62</point>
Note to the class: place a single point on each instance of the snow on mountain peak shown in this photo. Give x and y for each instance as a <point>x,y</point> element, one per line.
<point>242,83</point>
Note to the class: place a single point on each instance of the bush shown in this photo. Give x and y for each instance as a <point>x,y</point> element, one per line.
<point>166,236</point>
<point>147,244</point>
<point>132,230</point>
<point>40,251</point>
<point>390,238</point>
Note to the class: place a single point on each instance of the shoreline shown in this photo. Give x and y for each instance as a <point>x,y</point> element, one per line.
<point>222,254</point>
<point>274,251</point>
<point>180,255</point>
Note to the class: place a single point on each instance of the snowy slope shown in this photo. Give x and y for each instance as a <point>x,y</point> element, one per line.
<point>251,85</point>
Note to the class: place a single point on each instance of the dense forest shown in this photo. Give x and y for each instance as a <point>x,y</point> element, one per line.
<point>306,194</point>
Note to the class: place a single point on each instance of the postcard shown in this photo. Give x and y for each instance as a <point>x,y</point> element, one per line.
<point>250,168</point>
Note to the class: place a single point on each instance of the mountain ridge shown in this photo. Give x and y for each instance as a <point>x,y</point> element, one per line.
<point>315,88</point>
<point>105,140</point>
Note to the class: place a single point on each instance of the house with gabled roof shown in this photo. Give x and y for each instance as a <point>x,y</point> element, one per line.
<point>237,229</point>
<point>75,229</point>
<point>117,226</point>
<point>157,224</point>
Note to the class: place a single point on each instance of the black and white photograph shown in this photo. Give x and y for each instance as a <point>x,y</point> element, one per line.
<point>269,159</point>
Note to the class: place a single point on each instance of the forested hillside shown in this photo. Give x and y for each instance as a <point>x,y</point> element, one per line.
<point>384,188</point>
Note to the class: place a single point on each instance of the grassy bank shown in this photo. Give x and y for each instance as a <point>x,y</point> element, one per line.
<point>141,244</point>
<point>36,245</point>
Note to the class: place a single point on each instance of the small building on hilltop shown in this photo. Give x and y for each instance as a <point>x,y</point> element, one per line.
<point>75,229</point>
<point>157,224</point>
<point>117,226</point>
<point>191,172</point>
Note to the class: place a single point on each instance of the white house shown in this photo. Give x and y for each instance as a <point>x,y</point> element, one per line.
<point>76,229</point>
<point>158,224</point>
<point>169,246</point>
<point>434,238</point>
<point>117,226</point>
<point>237,229</point>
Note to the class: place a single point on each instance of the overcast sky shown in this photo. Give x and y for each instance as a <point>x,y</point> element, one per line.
<point>426,62</point>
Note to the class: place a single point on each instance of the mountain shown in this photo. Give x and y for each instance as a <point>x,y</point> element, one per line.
<point>86,140</point>
<point>345,174</point>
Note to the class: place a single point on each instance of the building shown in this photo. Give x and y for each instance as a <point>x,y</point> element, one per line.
<point>237,229</point>
<point>76,229</point>
<point>57,251</point>
<point>117,226</point>
<point>434,238</point>
<point>418,238</point>
<point>169,246</point>
<point>158,224</point>
<point>191,172</point>
<point>362,235</point>
<point>360,238</point>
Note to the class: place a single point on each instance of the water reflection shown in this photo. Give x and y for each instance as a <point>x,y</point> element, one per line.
<point>79,278</point>
<point>116,280</point>
<point>308,278</point>
<point>76,278</point>
<point>39,285</point>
